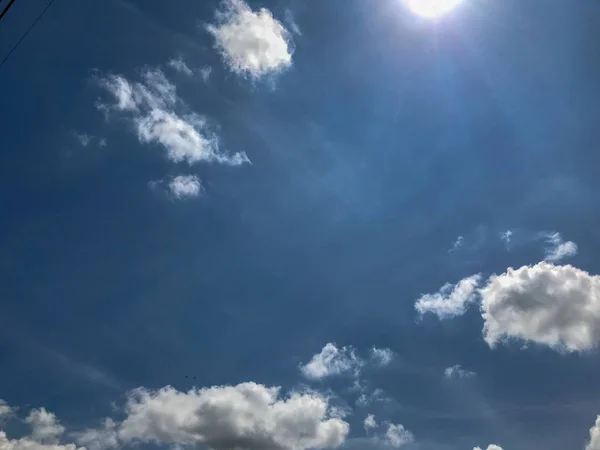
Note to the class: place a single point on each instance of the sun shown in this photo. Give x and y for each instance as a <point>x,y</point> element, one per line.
<point>431,8</point>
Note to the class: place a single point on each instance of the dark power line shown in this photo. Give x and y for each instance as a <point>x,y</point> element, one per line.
<point>26,32</point>
<point>6,9</point>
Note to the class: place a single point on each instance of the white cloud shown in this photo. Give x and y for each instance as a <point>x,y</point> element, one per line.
<point>251,42</point>
<point>291,21</point>
<point>45,427</point>
<point>557,306</point>
<point>370,422</point>
<point>332,361</point>
<point>5,409</point>
<point>458,372</point>
<point>457,244</point>
<point>382,356</point>
<point>397,436</point>
<point>185,186</point>
<point>594,443</point>
<point>490,447</point>
<point>83,138</point>
<point>205,73</point>
<point>450,300</point>
<point>376,396</point>
<point>153,107</point>
<point>99,438</point>
<point>45,432</point>
<point>26,443</point>
<point>179,65</point>
<point>559,249</point>
<point>247,416</point>
<point>506,237</point>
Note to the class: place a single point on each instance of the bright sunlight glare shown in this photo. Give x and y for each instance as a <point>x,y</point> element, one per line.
<point>431,8</point>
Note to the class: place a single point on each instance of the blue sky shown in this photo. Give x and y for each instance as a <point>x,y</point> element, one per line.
<point>288,225</point>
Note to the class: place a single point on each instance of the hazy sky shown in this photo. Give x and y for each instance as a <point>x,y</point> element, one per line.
<point>296,225</point>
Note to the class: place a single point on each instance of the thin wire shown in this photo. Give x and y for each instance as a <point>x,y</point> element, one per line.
<point>7,8</point>
<point>26,33</point>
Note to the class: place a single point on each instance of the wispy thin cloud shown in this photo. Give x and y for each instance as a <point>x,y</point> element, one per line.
<point>155,110</point>
<point>557,248</point>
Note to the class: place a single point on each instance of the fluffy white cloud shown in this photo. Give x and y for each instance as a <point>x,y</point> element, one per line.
<point>179,65</point>
<point>44,425</point>
<point>183,186</point>
<point>153,107</point>
<point>251,42</point>
<point>45,432</point>
<point>370,422</point>
<point>397,436</point>
<point>382,356</point>
<point>458,372</point>
<point>27,443</point>
<point>332,361</point>
<point>559,249</point>
<point>557,306</point>
<point>450,300</point>
<point>246,416</point>
<point>490,447</point>
<point>594,443</point>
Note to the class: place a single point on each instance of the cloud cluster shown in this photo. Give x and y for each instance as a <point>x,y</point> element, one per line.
<point>46,432</point>
<point>450,300</point>
<point>252,43</point>
<point>490,447</point>
<point>155,112</point>
<point>331,361</point>
<point>557,306</point>
<point>394,435</point>
<point>185,186</point>
<point>559,249</point>
<point>246,416</point>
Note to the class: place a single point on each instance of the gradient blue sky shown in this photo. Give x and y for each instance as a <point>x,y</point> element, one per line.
<point>388,156</point>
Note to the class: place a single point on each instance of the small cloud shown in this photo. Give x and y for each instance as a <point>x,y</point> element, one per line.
<point>332,361</point>
<point>252,43</point>
<point>376,396</point>
<point>369,423</point>
<point>179,65</point>
<point>490,447</point>
<point>458,372</point>
<point>397,436</point>
<point>185,186</point>
<point>83,138</point>
<point>506,237</point>
<point>102,143</point>
<point>382,356</point>
<point>558,249</point>
<point>457,244</point>
<point>450,300</point>
<point>205,73</point>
